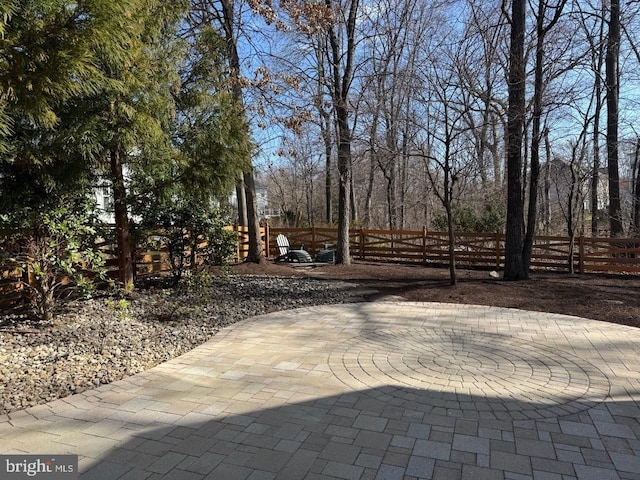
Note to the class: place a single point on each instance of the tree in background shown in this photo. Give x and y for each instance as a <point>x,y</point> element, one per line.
<point>593,27</point>
<point>226,18</point>
<point>447,143</point>
<point>331,31</point>
<point>539,85</point>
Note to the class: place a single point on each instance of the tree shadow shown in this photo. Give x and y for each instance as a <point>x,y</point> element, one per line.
<point>367,391</point>
<point>385,432</point>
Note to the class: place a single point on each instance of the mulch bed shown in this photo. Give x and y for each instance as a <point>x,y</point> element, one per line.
<point>610,298</point>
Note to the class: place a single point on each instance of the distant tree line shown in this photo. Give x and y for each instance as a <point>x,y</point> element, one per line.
<point>406,111</point>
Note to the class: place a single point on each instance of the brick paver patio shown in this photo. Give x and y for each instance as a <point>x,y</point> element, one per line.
<point>379,390</point>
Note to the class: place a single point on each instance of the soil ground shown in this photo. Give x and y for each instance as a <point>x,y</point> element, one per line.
<point>610,298</point>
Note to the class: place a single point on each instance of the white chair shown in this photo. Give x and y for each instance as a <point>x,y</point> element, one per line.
<point>283,244</point>
<point>287,254</point>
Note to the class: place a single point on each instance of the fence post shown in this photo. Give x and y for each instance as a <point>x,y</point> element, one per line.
<point>498,237</point>
<point>266,239</point>
<point>362,243</point>
<point>236,228</point>
<point>424,244</point>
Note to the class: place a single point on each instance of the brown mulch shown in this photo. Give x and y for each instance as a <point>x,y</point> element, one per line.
<point>610,298</point>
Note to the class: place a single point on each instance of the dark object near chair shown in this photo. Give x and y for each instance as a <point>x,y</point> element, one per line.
<point>326,256</point>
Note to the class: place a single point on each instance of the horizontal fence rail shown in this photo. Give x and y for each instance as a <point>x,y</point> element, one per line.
<point>473,250</point>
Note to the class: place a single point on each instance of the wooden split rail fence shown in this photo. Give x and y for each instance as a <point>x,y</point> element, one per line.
<point>473,250</point>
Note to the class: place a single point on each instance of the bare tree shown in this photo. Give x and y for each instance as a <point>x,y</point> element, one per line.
<point>483,73</point>
<point>398,37</point>
<point>570,180</point>
<point>324,110</point>
<point>592,23</point>
<point>449,159</point>
<point>542,30</point>
<point>547,184</point>
<point>362,97</point>
<point>291,182</point>
<point>341,33</point>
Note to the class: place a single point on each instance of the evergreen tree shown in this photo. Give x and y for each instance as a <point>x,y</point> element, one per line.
<point>110,88</point>
<point>46,59</point>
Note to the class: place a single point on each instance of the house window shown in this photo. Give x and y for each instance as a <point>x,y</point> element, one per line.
<point>107,200</point>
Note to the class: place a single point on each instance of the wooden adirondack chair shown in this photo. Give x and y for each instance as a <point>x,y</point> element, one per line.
<point>287,254</point>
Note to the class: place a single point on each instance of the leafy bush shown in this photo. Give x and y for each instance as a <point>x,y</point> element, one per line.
<point>57,252</point>
<point>193,233</point>
<point>492,218</point>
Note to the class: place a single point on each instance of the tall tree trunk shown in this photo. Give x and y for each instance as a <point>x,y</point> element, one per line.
<point>123,238</point>
<point>547,184</point>
<point>636,189</point>
<point>595,173</point>
<point>320,49</point>
<point>353,205</point>
<point>612,86</point>
<point>311,220</point>
<point>373,161</point>
<point>536,134</point>
<point>390,176</point>
<point>535,140</point>
<point>514,268</point>
<point>343,255</point>
<point>255,253</point>
<point>256,250</point>
<point>328,173</point>
<point>404,177</point>
<point>366,219</point>
<point>241,200</point>
<point>447,201</point>
<point>342,64</point>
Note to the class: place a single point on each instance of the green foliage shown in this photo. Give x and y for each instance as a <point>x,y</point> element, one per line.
<point>48,55</point>
<point>56,250</point>
<point>81,80</point>
<point>187,296</point>
<point>209,142</point>
<point>120,307</point>
<point>193,233</point>
<point>491,219</point>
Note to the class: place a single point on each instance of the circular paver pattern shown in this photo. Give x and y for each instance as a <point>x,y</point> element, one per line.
<point>486,372</point>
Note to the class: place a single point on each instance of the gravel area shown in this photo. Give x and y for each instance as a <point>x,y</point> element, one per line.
<point>98,341</point>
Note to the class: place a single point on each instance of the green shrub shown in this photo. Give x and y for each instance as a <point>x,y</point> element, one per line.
<point>492,218</point>
<point>57,252</point>
<point>193,233</point>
